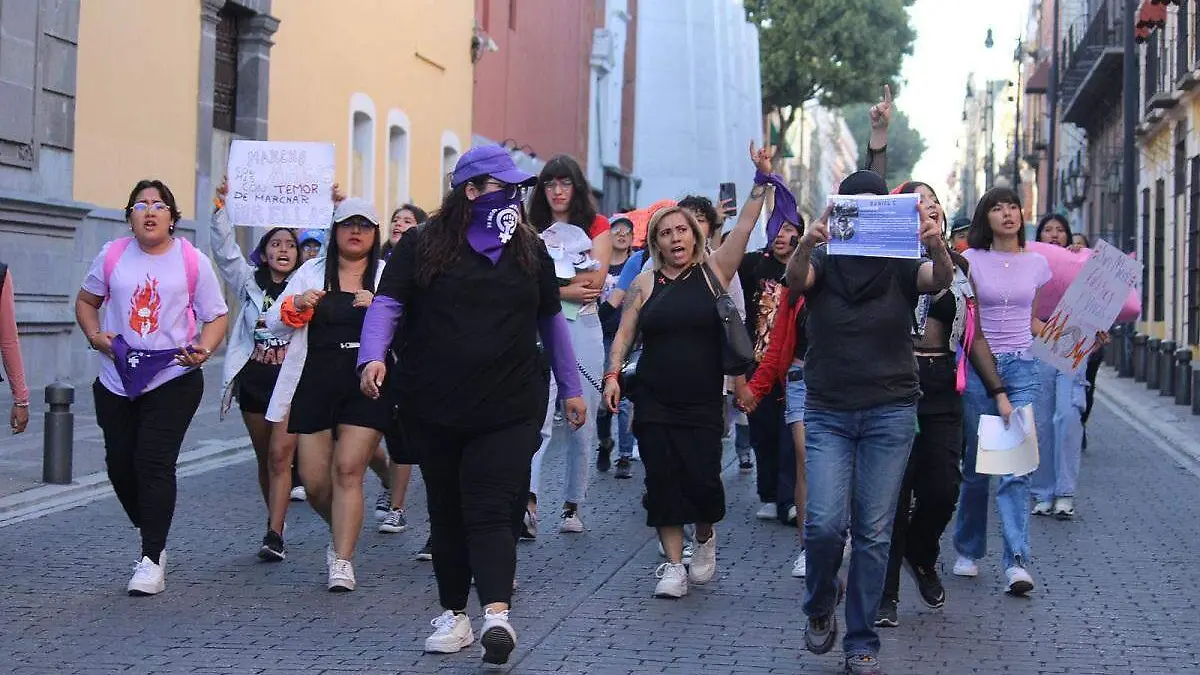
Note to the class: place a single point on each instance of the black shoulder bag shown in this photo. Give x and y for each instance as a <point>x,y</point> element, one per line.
<point>737,353</point>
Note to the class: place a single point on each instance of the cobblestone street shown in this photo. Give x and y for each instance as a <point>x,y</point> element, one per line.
<point>1116,589</point>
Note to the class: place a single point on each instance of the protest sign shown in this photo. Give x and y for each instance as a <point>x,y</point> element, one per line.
<point>273,183</point>
<point>1090,304</point>
<point>877,227</point>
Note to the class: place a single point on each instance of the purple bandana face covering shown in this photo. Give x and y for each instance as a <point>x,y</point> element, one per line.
<point>137,367</point>
<point>494,219</point>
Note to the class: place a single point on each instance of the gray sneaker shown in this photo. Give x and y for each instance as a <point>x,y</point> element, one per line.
<point>394,522</point>
<point>822,631</point>
<point>863,664</point>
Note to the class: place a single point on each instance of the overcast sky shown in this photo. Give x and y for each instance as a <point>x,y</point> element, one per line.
<point>949,46</point>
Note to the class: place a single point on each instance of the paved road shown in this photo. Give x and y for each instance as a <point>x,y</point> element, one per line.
<point>1117,591</point>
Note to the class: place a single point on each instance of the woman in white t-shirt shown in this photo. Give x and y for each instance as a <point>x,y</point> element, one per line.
<point>164,315</point>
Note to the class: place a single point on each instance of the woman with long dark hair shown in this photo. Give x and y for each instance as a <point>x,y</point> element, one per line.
<point>564,196</point>
<point>1006,278</point>
<point>254,358</point>
<point>947,339</point>
<point>321,314</point>
<point>403,219</point>
<point>476,288</point>
<point>164,316</point>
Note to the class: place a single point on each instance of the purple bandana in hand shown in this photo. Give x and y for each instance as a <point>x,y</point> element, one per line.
<point>494,220</point>
<point>785,204</point>
<point>137,367</point>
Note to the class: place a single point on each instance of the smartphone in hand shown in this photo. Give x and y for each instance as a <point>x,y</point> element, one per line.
<point>728,195</point>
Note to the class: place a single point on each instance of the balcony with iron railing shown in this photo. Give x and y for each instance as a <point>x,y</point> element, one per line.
<point>1090,71</point>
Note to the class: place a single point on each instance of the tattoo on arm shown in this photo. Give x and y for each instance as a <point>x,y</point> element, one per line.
<point>758,192</point>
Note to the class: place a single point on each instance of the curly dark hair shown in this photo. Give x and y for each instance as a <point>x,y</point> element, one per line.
<point>443,235</point>
<point>702,205</point>
<point>581,210</point>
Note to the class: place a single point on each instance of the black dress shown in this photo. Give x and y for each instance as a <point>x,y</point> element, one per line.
<point>328,393</point>
<point>679,407</point>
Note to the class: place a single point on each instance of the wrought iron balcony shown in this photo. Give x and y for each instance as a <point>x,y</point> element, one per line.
<point>1091,70</point>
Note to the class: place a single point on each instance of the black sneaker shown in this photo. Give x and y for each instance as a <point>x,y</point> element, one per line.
<point>272,549</point>
<point>863,664</point>
<point>929,585</point>
<point>821,633</point>
<point>624,468</point>
<point>604,456</point>
<point>426,552</point>
<point>887,617</point>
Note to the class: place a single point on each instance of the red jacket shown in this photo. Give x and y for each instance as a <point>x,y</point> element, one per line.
<point>778,358</point>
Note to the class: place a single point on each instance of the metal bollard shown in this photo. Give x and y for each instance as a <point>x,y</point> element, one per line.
<point>1166,369</point>
<point>1139,358</point>
<point>1150,356</point>
<point>57,448</point>
<point>1183,376</point>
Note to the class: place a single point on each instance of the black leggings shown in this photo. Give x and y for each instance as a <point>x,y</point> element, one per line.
<point>932,477</point>
<point>142,438</point>
<point>765,427</point>
<point>476,485</point>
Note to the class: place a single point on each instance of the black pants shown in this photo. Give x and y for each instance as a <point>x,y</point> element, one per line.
<point>931,477</point>
<point>142,438</point>
<point>683,473</point>
<point>1093,368</point>
<point>476,484</point>
<point>765,423</point>
<point>786,486</point>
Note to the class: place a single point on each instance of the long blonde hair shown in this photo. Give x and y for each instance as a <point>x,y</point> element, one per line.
<point>656,255</point>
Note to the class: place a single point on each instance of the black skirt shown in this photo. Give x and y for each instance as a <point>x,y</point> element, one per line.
<point>683,473</point>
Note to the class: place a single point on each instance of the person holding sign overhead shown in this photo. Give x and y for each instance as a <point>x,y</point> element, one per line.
<point>321,314</point>
<point>1006,278</point>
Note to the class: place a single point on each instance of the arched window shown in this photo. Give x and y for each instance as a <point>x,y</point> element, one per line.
<point>451,149</point>
<point>362,147</point>
<point>398,157</point>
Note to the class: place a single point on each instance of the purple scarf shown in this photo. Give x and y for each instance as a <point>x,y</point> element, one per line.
<point>494,220</point>
<point>137,367</point>
<point>785,204</point>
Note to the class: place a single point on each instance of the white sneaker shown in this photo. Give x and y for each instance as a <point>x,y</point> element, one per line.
<point>571,523</point>
<point>766,512</point>
<point>1019,581</point>
<point>451,633</point>
<point>965,567</point>
<point>1064,508</point>
<point>672,581</point>
<point>148,578</point>
<point>341,576</point>
<point>688,552</point>
<point>497,637</point>
<point>704,561</point>
<point>801,567</point>
<point>1042,508</point>
<point>330,556</point>
<point>793,514</point>
<point>394,523</point>
<point>298,494</point>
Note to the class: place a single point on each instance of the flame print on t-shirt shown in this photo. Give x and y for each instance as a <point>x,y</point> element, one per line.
<point>144,306</point>
<point>769,299</point>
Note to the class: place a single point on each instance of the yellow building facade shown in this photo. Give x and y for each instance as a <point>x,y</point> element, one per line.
<point>389,83</point>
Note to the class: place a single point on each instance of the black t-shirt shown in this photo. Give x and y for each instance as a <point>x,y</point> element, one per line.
<point>860,318</point>
<point>801,334</point>
<point>763,286</point>
<point>468,351</point>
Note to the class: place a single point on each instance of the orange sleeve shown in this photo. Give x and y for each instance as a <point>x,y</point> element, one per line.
<point>292,316</point>
<point>10,346</point>
<point>774,363</point>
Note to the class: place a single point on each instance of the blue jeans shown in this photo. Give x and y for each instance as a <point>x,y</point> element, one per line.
<point>855,461</point>
<point>625,438</point>
<point>1059,416</point>
<point>1019,373</point>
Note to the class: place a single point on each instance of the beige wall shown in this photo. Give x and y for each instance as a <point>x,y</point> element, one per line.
<point>411,56</point>
<point>135,111</point>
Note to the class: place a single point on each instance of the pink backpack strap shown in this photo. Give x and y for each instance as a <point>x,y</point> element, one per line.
<point>116,248</point>
<point>191,267</point>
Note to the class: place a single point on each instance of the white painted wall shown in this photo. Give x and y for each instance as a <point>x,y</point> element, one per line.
<point>608,76</point>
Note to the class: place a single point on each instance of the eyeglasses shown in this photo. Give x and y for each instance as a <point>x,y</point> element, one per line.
<point>142,207</point>
<point>357,224</point>
<point>510,191</point>
<point>556,183</point>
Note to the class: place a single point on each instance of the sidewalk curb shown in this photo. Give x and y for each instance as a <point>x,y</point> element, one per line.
<point>47,499</point>
<point>1140,416</point>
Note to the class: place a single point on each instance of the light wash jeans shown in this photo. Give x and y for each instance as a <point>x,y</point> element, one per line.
<point>1019,373</point>
<point>588,342</point>
<point>855,461</point>
<point>1059,416</point>
<point>624,417</point>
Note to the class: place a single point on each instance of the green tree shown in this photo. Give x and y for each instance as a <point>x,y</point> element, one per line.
<point>837,52</point>
<point>905,144</point>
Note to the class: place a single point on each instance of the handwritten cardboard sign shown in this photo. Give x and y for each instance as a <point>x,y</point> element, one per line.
<point>274,183</point>
<point>1090,304</point>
